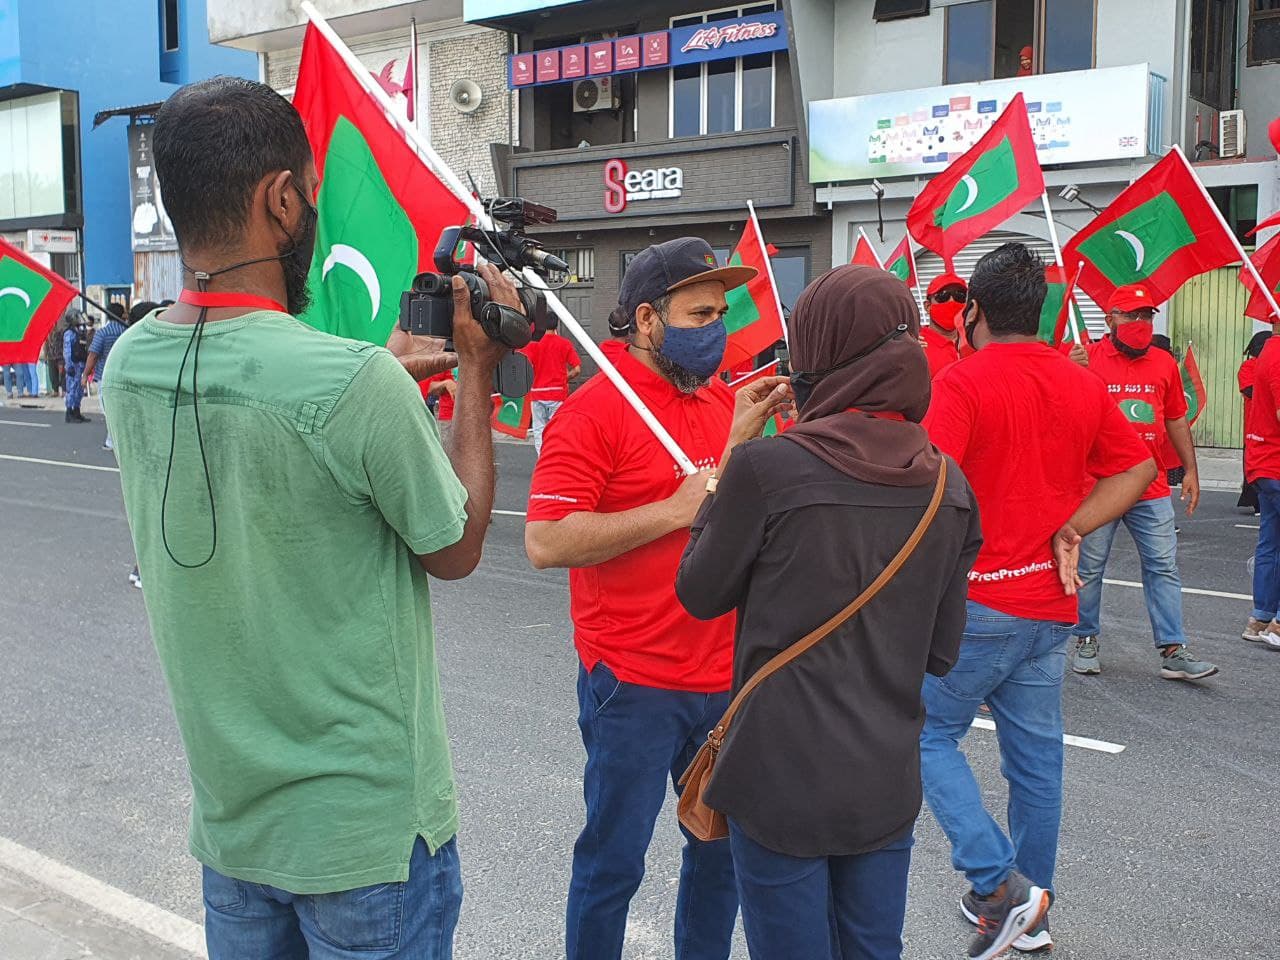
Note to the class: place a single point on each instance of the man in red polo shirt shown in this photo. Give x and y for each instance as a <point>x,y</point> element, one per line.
<point>555,363</point>
<point>945,301</point>
<point>607,502</point>
<point>1262,469</point>
<point>1147,386</point>
<point>1029,429</point>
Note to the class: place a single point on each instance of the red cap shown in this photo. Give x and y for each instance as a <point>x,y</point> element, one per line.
<point>944,280</point>
<point>1133,296</point>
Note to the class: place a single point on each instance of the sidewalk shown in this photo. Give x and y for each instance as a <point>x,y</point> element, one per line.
<point>38,924</point>
<point>56,404</point>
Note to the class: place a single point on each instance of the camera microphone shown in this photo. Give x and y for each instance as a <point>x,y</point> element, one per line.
<point>539,259</point>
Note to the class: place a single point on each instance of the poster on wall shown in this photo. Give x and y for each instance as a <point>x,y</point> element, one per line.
<point>1076,117</point>
<point>152,229</point>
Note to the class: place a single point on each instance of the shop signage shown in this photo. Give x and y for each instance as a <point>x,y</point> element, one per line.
<point>911,132</point>
<point>622,186</point>
<point>52,241</point>
<point>697,43</point>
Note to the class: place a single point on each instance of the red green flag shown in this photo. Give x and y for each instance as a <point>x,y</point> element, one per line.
<point>980,189</point>
<point>1060,311</point>
<point>32,299</point>
<point>1160,232</point>
<point>864,254</point>
<point>902,262</point>
<point>511,415</point>
<point>1192,386</point>
<point>1267,261</point>
<point>754,320</point>
<point>381,209</point>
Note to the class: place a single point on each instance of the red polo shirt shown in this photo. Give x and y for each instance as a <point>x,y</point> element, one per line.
<point>1262,429</point>
<point>1028,427</point>
<point>552,356</point>
<point>940,350</point>
<point>1148,391</point>
<point>597,455</point>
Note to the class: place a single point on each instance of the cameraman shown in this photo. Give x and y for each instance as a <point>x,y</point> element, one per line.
<point>287,506</point>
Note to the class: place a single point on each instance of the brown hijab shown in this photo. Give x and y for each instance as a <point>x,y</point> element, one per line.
<point>841,314</point>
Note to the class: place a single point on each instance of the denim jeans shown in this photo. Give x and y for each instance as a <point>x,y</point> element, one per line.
<point>543,411</point>
<point>815,908</point>
<point>636,737</point>
<point>413,920</point>
<point>9,372</point>
<point>1151,525</point>
<point>1016,667</point>
<point>1266,559</point>
<point>29,376</point>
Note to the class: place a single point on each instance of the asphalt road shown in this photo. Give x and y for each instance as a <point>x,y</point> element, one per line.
<point>1167,847</point>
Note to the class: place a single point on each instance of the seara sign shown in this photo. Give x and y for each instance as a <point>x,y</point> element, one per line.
<point>622,185</point>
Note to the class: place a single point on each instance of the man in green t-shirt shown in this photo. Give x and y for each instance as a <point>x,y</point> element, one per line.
<point>286,510</point>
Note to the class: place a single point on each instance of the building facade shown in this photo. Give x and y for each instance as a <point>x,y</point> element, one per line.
<point>62,63</point>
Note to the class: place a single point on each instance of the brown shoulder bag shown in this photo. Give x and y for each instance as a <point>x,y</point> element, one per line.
<point>698,818</point>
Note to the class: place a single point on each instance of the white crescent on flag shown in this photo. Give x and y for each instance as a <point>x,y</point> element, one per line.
<point>16,292</point>
<point>972,186</point>
<point>351,258</point>
<point>1139,251</point>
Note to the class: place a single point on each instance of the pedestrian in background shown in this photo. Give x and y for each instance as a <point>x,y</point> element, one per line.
<point>1262,469</point>
<point>99,350</point>
<point>819,773</point>
<point>555,363</point>
<point>1245,378</point>
<point>945,301</point>
<point>75,352</point>
<point>52,354</point>
<point>1029,428</point>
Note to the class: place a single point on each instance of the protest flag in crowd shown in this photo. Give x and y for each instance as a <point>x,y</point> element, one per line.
<point>754,320</point>
<point>1267,260</point>
<point>864,254</point>
<point>512,415</point>
<point>1192,386</point>
<point>980,189</point>
<point>1160,232</point>
<point>776,424</point>
<point>32,299</point>
<point>1060,316</point>
<point>902,263</point>
<point>381,209</point>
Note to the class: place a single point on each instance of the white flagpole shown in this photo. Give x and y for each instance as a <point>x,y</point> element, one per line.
<point>413,53</point>
<point>1071,295</point>
<point>870,246</point>
<point>1053,228</point>
<point>753,373</point>
<point>1226,227</point>
<point>768,265</point>
<point>422,147</point>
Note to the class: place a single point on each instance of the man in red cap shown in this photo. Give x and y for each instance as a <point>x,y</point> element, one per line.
<point>1148,387</point>
<point>945,300</point>
<point>1025,68</point>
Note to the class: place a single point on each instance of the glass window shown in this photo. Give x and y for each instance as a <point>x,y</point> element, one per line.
<point>969,42</point>
<point>1264,31</point>
<point>722,83</point>
<point>1015,33</point>
<point>1212,72</point>
<point>1068,35</point>
<point>686,101</point>
<point>170,15</point>
<point>723,95</point>
<point>757,91</point>
<point>791,273</point>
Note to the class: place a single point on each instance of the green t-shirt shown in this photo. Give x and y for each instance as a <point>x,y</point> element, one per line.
<point>301,657</point>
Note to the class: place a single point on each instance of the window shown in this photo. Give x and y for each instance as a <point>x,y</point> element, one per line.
<point>169,24</point>
<point>896,9</point>
<point>1212,73</point>
<point>722,96</point>
<point>1264,31</point>
<point>986,39</point>
<point>1240,206</point>
<point>581,261</point>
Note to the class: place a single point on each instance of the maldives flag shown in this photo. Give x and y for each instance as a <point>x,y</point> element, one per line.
<point>982,188</point>
<point>1192,386</point>
<point>754,320</point>
<point>864,254</point>
<point>902,262</point>
<point>1060,311</point>
<point>1267,261</point>
<point>1160,232</point>
<point>511,415</point>
<point>381,209</point>
<point>32,299</point>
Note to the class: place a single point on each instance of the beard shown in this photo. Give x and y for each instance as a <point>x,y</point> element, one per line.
<point>681,378</point>
<point>296,263</point>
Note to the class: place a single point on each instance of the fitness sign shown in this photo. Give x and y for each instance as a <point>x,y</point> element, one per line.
<point>622,185</point>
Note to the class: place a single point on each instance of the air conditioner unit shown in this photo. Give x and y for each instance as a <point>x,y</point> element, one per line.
<point>592,95</point>
<point>1231,133</point>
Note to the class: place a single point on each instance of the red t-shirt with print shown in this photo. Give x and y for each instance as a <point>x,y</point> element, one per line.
<point>598,456</point>
<point>1262,429</point>
<point>1029,428</point>
<point>1148,391</point>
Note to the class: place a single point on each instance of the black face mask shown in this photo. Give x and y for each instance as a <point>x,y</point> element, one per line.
<point>802,384</point>
<point>296,260</point>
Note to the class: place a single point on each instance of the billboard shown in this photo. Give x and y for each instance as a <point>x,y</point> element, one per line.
<point>1076,117</point>
<point>150,224</point>
<point>475,10</point>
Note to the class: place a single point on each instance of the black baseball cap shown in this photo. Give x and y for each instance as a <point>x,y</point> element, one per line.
<point>666,267</point>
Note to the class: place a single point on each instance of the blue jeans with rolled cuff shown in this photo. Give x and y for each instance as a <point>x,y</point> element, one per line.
<point>1266,558</point>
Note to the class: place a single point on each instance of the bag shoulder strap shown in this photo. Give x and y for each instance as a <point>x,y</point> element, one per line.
<point>814,636</point>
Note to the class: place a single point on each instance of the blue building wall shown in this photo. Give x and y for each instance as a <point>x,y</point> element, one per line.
<point>109,53</point>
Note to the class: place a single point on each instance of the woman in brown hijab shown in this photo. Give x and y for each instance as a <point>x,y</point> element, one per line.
<point>819,773</point>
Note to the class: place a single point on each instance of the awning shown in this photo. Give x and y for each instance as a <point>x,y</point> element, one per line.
<point>142,110</point>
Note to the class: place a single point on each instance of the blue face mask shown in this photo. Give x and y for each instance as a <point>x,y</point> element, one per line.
<point>698,349</point>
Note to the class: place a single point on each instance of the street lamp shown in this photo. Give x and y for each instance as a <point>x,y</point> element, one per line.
<point>1071,194</point>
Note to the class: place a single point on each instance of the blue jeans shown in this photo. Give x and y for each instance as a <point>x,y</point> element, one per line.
<point>1016,667</point>
<point>1266,559</point>
<point>1151,525</point>
<point>814,908</point>
<point>413,920</point>
<point>29,376</point>
<point>9,372</point>
<point>636,737</point>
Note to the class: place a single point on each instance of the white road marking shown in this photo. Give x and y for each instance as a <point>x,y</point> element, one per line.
<point>147,917</point>
<point>24,423</point>
<point>1088,743</point>
<point>1239,526</point>
<point>508,513</point>
<point>59,463</point>
<point>1193,590</point>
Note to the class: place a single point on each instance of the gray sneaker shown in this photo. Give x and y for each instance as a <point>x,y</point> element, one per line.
<point>1034,940</point>
<point>1181,665</point>
<point>1085,659</point>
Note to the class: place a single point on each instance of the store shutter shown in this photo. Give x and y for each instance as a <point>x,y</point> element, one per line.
<point>929,265</point>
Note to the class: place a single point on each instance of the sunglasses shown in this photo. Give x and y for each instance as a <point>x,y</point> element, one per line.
<point>955,295</point>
